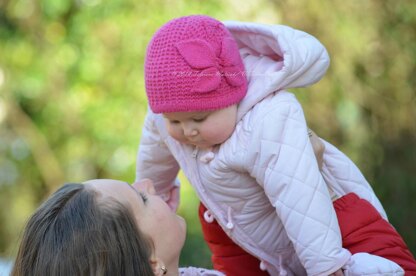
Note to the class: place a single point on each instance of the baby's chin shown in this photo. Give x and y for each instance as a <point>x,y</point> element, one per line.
<point>204,146</point>
<point>199,145</point>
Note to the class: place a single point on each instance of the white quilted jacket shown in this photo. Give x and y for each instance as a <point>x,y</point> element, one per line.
<point>263,185</point>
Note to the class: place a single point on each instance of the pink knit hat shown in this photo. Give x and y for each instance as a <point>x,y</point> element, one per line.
<point>193,64</point>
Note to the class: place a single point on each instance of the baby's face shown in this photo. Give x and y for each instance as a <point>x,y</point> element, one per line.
<point>202,129</point>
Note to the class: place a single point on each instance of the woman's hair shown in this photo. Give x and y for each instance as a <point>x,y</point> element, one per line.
<point>74,233</point>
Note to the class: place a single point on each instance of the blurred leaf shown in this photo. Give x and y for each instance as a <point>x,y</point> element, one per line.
<point>72,99</point>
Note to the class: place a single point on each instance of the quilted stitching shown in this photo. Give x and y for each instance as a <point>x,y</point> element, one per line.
<point>293,165</point>
<point>344,177</point>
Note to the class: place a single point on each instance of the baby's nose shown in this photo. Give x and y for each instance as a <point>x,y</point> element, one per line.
<point>189,131</point>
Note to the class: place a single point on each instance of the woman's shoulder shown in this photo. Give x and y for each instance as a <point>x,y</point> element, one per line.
<point>195,271</point>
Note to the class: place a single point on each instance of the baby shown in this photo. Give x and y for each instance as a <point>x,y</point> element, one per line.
<point>220,112</point>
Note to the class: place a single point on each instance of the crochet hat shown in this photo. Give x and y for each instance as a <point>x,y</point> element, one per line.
<point>193,64</point>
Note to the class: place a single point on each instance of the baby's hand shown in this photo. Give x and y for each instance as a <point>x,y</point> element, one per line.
<point>173,198</point>
<point>368,264</point>
<point>318,147</point>
<point>337,273</point>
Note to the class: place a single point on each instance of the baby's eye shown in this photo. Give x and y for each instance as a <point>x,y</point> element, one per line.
<point>174,122</point>
<point>198,120</point>
<point>143,196</point>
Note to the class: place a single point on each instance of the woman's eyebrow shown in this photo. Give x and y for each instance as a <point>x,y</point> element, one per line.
<point>136,192</point>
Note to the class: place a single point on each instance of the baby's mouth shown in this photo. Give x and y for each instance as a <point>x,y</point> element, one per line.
<point>194,142</point>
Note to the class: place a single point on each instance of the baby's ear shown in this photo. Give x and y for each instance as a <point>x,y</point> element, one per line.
<point>158,266</point>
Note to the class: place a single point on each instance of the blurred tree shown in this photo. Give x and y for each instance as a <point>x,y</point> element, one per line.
<point>72,98</point>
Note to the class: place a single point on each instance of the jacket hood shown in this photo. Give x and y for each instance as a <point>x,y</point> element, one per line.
<point>276,57</point>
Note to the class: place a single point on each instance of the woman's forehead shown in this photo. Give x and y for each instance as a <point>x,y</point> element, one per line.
<point>119,190</point>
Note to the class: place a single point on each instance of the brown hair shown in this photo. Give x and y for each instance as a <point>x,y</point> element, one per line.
<point>73,233</point>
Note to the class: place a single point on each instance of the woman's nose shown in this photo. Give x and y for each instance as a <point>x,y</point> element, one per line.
<point>145,185</point>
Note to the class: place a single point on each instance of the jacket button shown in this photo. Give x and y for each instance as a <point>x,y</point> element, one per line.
<point>230,225</point>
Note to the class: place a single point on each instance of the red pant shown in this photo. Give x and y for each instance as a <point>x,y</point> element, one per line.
<point>362,230</point>
<point>227,257</point>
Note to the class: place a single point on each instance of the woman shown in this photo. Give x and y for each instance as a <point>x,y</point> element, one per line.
<point>104,227</point>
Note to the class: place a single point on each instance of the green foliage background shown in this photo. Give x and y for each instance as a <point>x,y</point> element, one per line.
<point>72,97</point>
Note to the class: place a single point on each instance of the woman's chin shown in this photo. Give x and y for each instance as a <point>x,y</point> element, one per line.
<point>182,224</point>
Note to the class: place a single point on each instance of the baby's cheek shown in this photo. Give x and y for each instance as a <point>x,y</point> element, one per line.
<point>220,133</point>
<point>216,137</point>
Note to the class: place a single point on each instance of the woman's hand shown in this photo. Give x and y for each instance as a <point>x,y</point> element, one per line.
<point>318,147</point>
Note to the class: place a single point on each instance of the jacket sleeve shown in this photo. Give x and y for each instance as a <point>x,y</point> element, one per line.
<point>154,159</point>
<point>282,161</point>
<point>343,176</point>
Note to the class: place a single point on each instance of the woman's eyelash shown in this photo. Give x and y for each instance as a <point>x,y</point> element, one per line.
<point>143,196</point>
